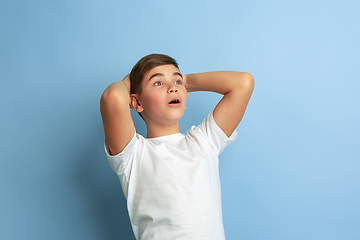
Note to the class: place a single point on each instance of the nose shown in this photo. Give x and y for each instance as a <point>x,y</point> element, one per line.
<point>172,89</point>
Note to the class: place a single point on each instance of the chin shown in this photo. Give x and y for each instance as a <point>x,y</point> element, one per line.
<point>176,116</point>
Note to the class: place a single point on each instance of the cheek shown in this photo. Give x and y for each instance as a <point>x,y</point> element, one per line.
<point>151,101</point>
<point>184,95</point>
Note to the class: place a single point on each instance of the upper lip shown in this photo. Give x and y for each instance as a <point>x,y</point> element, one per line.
<point>175,99</point>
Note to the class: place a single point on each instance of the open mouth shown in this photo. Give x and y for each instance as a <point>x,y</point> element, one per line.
<point>174,101</point>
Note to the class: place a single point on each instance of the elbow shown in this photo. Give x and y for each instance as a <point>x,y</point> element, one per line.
<point>112,99</point>
<point>251,81</point>
<point>109,93</point>
<point>246,82</point>
<point>108,97</point>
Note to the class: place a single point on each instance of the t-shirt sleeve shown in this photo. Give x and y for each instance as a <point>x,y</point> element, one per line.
<point>122,162</point>
<point>217,139</point>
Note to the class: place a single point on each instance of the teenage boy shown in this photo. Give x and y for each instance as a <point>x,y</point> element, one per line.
<point>171,180</point>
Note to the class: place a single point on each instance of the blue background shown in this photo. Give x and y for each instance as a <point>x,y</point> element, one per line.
<point>293,173</point>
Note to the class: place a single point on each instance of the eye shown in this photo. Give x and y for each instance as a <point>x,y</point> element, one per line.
<point>158,83</point>
<point>178,82</point>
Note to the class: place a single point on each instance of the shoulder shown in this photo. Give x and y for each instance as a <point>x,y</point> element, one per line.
<point>208,127</point>
<point>210,133</point>
<point>122,160</point>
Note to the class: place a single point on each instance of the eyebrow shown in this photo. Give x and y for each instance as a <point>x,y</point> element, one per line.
<point>160,75</point>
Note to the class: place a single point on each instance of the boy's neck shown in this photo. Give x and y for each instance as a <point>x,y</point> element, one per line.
<point>154,131</point>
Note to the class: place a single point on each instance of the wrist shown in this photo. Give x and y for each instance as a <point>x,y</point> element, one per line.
<point>187,81</point>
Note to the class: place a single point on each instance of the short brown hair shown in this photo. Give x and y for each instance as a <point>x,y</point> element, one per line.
<point>146,64</point>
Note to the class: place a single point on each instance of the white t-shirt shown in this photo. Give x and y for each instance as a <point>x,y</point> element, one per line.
<point>172,183</point>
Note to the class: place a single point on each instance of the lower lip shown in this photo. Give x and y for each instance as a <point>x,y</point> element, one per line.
<point>174,104</point>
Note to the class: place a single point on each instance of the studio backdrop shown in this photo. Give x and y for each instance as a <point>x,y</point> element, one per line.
<point>293,172</point>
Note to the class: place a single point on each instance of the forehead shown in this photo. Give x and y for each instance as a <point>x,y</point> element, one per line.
<point>164,69</point>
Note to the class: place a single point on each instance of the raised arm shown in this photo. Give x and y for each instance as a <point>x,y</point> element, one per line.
<point>236,87</point>
<point>115,111</point>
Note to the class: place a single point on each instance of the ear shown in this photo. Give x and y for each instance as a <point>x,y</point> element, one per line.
<point>135,103</point>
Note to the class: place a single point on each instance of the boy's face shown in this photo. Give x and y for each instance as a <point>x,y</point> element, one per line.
<point>163,96</point>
